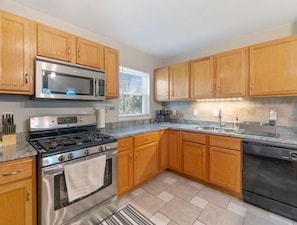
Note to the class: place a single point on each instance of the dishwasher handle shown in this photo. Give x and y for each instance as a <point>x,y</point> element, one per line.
<point>284,152</point>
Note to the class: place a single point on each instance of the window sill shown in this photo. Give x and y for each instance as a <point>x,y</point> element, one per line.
<point>134,117</point>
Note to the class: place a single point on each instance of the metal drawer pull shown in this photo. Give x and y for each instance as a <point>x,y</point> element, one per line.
<point>11,174</point>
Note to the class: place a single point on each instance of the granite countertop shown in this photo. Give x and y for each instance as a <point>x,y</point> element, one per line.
<point>22,149</point>
<point>284,138</point>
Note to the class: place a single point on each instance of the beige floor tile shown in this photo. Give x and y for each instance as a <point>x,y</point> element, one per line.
<point>216,215</point>
<point>214,196</point>
<point>137,192</point>
<point>172,223</point>
<point>238,209</point>
<point>280,219</point>
<point>197,185</point>
<point>252,219</point>
<point>165,196</point>
<point>198,223</point>
<point>199,202</point>
<point>155,187</point>
<point>181,212</point>
<point>170,180</point>
<point>184,191</point>
<point>160,219</point>
<point>147,204</point>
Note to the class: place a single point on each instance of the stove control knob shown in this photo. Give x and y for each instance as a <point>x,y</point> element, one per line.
<point>70,156</point>
<point>86,152</point>
<point>107,147</point>
<point>100,149</point>
<point>61,158</point>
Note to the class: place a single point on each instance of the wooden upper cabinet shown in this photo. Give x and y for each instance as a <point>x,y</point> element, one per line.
<point>17,49</point>
<point>232,73</point>
<point>56,44</point>
<point>161,84</point>
<point>179,81</point>
<point>89,53</point>
<point>273,67</point>
<point>111,65</point>
<point>202,78</point>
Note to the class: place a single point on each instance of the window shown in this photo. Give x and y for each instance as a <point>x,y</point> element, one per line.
<point>134,93</point>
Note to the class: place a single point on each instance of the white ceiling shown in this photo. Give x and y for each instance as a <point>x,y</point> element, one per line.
<point>166,28</point>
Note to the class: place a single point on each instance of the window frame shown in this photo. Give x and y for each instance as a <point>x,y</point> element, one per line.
<point>145,94</point>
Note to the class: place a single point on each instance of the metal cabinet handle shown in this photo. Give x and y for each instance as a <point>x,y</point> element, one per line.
<point>130,158</point>
<point>69,51</point>
<point>26,78</point>
<point>78,53</point>
<point>11,174</point>
<point>28,195</point>
<point>124,145</point>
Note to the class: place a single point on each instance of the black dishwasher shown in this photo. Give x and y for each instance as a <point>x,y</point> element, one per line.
<point>269,178</point>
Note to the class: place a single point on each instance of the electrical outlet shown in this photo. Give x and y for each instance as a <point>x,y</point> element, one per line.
<point>216,112</point>
<point>195,112</point>
<point>173,112</point>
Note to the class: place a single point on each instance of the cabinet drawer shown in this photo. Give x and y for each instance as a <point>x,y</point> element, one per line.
<point>15,170</point>
<point>194,137</point>
<point>144,139</point>
<point>225,142</point>
<point>125,144</point>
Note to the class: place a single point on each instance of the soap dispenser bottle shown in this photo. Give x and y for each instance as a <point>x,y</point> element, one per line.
<point>236,124</point>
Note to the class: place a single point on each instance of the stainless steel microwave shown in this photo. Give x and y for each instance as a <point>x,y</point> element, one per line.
<point>61,80</point>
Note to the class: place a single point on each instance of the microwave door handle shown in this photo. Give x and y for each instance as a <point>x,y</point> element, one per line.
<point>97,87</point>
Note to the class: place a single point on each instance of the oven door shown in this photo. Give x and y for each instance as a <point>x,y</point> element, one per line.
<point>54,207</point>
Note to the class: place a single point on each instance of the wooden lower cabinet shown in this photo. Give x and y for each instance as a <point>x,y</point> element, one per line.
<point>225,162</point>
<point>125,164</point>
<point>194,154</point>
<point>17,192</point>
<point>125,171</point>
<point>138,160</point>
<point>174,150</point>
<point>145,162</point>
<point>163,150</point>
<point>224,168</point>
<point>194,159</point>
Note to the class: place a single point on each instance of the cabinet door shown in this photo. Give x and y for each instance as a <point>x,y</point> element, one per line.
<point>194,159</point>
<point>163,150</point>
<point>161,84</point>
<point>273,67</point>
<point>16,54</point>
<point>89,53</point>
<point>111,67</point>
<point>202,78</point>
<point>125,171</point>
<point>174,152</point>
<point>55,44</point>
<point>179,81</point>
<point>225,169</point>
<point>146,162</point>
<point>231,73</point>
<point>16,206</point>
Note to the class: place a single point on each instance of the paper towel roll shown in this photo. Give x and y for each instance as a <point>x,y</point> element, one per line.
<point>100,118</point>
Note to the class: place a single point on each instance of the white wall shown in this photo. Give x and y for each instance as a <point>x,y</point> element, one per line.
<point>23,107</point>
<point>237,42</point>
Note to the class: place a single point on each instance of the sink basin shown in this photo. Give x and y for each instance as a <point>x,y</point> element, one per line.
<point>207,128</point>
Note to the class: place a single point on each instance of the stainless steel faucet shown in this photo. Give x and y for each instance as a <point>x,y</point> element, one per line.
<point>220,119</point>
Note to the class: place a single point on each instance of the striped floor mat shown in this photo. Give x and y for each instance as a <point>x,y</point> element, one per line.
<point>126,216</point>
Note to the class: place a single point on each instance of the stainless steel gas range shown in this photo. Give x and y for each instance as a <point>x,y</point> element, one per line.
<point>68,146</point>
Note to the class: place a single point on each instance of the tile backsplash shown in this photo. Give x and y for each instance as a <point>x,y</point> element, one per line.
<point>248,109</point>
